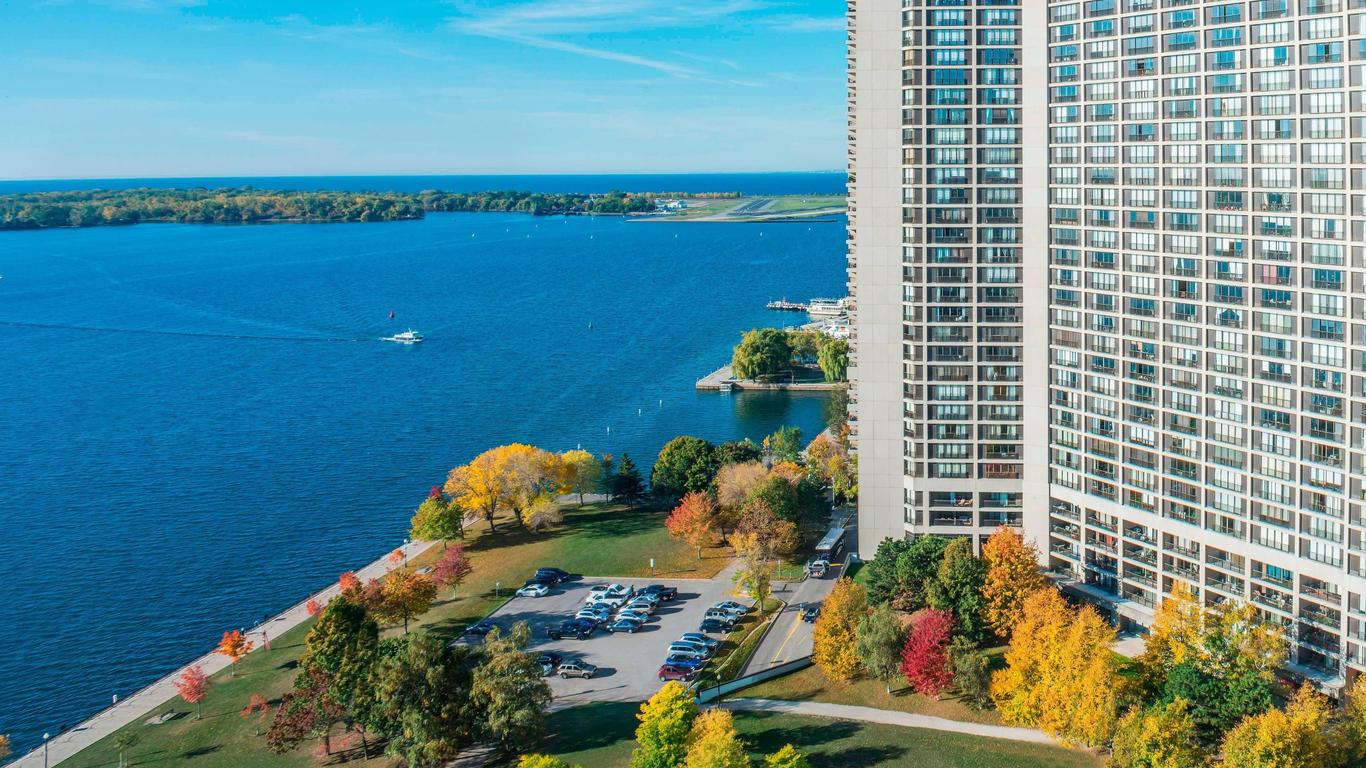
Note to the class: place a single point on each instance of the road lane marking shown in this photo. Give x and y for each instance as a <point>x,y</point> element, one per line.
<point>796,622</point>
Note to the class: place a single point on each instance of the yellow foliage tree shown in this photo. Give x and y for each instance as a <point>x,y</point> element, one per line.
<point>1012,576</point>
<point>542,512</point>
<point>733,484</point>
<point>1220,641</point>
<point>1295,737</point>
<point>542,761</point>
<point>833,637</point>
<point>713,742</point>
<point>485,485</point>
<point>234,645</point>
<point>1160,737</point>
<point>582,472</point>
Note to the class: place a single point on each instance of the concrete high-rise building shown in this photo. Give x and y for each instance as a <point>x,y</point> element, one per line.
<point>1109,284</point>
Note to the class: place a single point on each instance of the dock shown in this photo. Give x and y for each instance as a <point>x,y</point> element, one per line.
<point>783,305</point>
<point>723,380</point>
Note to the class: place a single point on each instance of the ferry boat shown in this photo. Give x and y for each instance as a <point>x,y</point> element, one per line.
<point>407,337</point>
<point>828,307</point>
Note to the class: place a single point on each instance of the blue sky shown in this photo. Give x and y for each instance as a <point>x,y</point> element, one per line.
<point>121,88</point>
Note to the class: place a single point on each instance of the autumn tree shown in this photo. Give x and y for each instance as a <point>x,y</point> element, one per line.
<point>509,690</point>
<point>583,472</point>
<point>348,582</point>
<point>193,685</point>
<point>1295,737</point>
<point>714,743</point>
<point>925,656</point>
<point>313,607</point>
<point>878,640</point>
<point>124,741</point>
<point>785,444</point>
<point>957,588</point>
<point>234,646</point>
<point>686,464</point>
<point>1351,729</point>
<point>486,485</point>
<point>786,757</point>
<point>543,761</point>
<point>754,578</point>
<point>774,534</point>
<point>835,633</point>
<point>306,711</point>
<point>734,482</point>
<point>405,595</point>
<point>424,692</point>
<point>1161,736</point>
<point>256,710</point>
<point>1012,575</point>
<point>665,722</point>
<point>5,748</point>
<point>627,484</point>
<point>437,519</point>
<point>450,571</point>
<point>543,512</point>
<point>693,521</point>
<point>336,670</point>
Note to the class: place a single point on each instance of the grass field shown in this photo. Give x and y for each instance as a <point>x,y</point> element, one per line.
<point>783,204</point>
<point>601,736</point>
<point>809,684</point>
<point>596,540</point>
<point>795,203</point>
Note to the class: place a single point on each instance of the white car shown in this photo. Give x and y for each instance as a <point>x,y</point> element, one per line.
<point>645,606</point>
<point>632,613</point>
<point>604,591</point>
<point>533,590</point>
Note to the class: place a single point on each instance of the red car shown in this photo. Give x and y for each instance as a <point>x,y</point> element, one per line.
<point>669,672</point>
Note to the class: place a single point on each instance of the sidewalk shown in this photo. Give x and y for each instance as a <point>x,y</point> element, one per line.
<point>140,705</point>
<point>887,717</point>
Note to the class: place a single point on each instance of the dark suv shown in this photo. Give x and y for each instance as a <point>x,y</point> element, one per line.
<point>550,575</point>
<point>575,628</point>
<point>665,593</point>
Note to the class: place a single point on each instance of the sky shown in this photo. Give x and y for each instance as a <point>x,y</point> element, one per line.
<point>147,88</point>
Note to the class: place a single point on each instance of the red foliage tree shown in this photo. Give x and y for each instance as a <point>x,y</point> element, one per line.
<point>313,607</point>
<point>193,685</point>
<point>434,492</point>
<point>925,657</point>
<point>453,567</point>
<point>348,581</point>
<point>258,708</point>
<point>397,556</point>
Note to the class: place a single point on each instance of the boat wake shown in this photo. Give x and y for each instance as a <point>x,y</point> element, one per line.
<point>190,334</point>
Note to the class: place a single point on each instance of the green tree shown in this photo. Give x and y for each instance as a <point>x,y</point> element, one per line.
<point>124,741</point>
<point>1162,736</point>
<point>787,757</point>
<point>627,484</point>
<point>343,647</point>
<point>424,692</point>
<point>785,444</point>
<point>805,345</point>
<point>738,452</point>
<point>509,689</point>
<point>877,643</point>
<point>583,472</point>
<point>834,359</point>
<point>761,352</point>
<point>437,519</point>
<point>971,671</point>
<point>901,571</point>
<point>1216,703</point>
<point>880,571</point>
<point>665,722</point>
<point>957,588</point>
<point>685,464</point>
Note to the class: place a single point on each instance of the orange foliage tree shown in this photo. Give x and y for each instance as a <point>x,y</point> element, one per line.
<point>193,685</point>
<point>313,607</point>
<point>234,645</point>
<point>694,521</point>
<point>257,707</point>
<point>403,596</point>
<point>1012,576</point>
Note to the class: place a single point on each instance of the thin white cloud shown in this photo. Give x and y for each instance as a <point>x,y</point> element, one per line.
<point>727,63</point>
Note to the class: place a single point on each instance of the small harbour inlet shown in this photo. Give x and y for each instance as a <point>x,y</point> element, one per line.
<point>723,380</point>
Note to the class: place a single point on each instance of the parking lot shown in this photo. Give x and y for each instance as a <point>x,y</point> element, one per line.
<point>628,664</point>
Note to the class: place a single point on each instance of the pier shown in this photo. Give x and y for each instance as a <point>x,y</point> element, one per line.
<point>784,305</point>
<point>723,380</point>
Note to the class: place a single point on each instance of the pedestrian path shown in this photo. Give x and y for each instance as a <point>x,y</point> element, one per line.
<point>886,717</point>
<point>140,705</point>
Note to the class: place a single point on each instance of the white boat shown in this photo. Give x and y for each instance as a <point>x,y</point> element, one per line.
<point>828,307</point>
<point>407,337</point>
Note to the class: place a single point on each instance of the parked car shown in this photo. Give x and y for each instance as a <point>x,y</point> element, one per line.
<point>636,604</point>
<point>730,606</point>
<point>644,598</point>
<point>575,628</point>
<point>686,650</point>
<point>605,591</point>
<point>577,669</point>
<point>669,672</point>
<point>631,613</point>
<point>697,637</point>
<point>687,662</point>
<point>665,593</point>
<point>714,625</point>
<point>625,624</point>
<point>480,629</point>
<point>701,648</point>
<point>549,662</point>
<point>534,589</point>
<point>720,616</point>
<point>811,612</point>
<point>594,613</point>
<point>553,573</point>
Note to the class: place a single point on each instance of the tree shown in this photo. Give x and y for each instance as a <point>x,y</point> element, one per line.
<point>485,485</point>
<point>1215,703</point>
<point>1012,576</point>
<point>306,711</point>
<point>834,359</point>
<point>754,579</point>
<point>542,512</point>
<point>878,640</point>
<point>925,656</point>
<point>124,741</point>
<point>405,595</point>
<point>738,452</point>
<point>4,746</point>
<point>734,482</point>
<point>509,689</point>
<point>686,464</point>
<point>761,352</point>
<point>437,519</point>
<point>1293,738</point>
<point>532,474</point>
<point>787,757</point>
<point>834,636</point>
<point>193,685</point>
<point>348,582</point>
<point>713,742</point>
<point>957,588</point>
<point>450,571</point>
<point>665,722</point>
<point>693,521</point>
<point>1220,642</point>
<point>971,671</point>
<point>313,607</point>
<point>760,527</point>
<point>583,472</point>
<point>1161,736</point>
<point>1351,731</point>
<point>627,484</point>
<point>257,709</point>
<point>805,345</point>
<point>785,444</point>
<point>340,654</point>
<point>543,761</point>
<point>234,645</point>
<point>424,695</point>
<point>901,571</point>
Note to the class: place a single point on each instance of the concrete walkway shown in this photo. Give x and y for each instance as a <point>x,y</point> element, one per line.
<point>887,717</point>
<point>140,705</point>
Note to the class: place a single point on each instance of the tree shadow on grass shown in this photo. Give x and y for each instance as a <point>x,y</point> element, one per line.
<point>865,756</point>
<point>772,739</point>
<point>207,749</point>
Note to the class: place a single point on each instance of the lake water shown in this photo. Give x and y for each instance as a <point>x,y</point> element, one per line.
<point>200,425</point>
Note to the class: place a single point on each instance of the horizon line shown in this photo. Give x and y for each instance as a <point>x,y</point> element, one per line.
<point>410,175</point>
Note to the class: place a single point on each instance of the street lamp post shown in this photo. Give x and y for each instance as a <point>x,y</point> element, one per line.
<point>405,553</point>
<point>45,738</point>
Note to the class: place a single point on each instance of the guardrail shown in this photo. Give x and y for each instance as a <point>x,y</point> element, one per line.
<point>705,695</point>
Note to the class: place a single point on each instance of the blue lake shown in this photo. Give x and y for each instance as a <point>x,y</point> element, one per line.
<point>201,426</point>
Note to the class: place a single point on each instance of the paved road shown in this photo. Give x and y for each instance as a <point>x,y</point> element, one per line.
<point>790,638</point>
<point>750,208</point>
<point>627,664</point>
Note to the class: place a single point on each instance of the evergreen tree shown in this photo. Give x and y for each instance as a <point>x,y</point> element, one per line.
<point>957,588</point>
<point>627,483</point>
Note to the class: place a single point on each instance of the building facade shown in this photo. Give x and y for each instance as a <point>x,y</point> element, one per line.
<point>1126,241</point>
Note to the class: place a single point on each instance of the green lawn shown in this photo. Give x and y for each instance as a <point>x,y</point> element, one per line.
<point>795,203</point>
<point>601,736</point>
<point>596,541</point>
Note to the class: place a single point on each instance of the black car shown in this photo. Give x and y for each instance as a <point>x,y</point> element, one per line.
<point>551,575</point>
<point>480,629</point>
<point>549,663</point>
<point>665,593</point>
<point>575,628</point>
<point>810,612</point>
<point>714,625</point>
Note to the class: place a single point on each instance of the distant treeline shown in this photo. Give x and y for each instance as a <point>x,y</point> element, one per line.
<point>97,208</point>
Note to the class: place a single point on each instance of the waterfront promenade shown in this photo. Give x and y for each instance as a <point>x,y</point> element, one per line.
<point>141,704</point>
<point>723,380</point>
